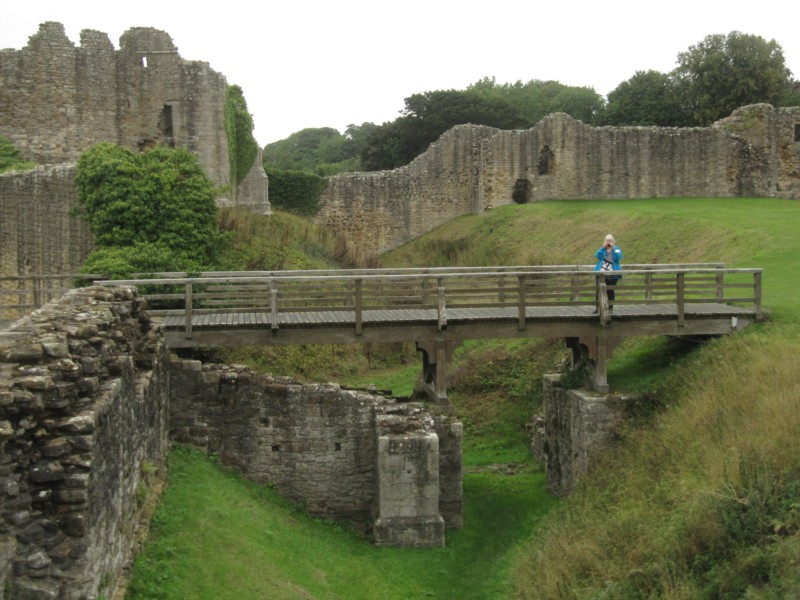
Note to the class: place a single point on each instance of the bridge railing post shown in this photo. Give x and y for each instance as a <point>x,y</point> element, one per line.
<point>522,301</point>
<point>757,295</point>
<point>37,291</point>
<point>602,300</point>
<point>720,285</point>
<point>273,305</point>
<point>575,293</point>
<point>648,286</point>
<point>680,298</point>
<point>188,303</point>
<point>442,307</point>
<point>357,305</point>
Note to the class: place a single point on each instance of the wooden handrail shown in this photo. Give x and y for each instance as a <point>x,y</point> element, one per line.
<point>363,290</point>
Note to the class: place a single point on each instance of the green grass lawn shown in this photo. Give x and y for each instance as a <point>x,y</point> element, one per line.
<point>217,536</point>
<point>646,527</point>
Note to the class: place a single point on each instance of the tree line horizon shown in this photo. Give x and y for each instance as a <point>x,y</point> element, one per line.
<point>712,79</point>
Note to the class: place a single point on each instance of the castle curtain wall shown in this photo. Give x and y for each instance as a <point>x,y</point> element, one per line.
<point>753,153</point>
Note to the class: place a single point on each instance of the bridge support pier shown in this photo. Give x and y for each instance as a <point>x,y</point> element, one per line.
<point>436,356</point>
<point>594,353</point>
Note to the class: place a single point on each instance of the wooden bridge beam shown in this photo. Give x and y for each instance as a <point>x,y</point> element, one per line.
<point>436,356</point>
<point>594,353</point>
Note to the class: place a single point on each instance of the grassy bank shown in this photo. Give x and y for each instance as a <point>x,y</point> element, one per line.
<point>698,499</point>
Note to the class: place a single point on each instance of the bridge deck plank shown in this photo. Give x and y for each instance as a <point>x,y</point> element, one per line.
<point>237,320</point>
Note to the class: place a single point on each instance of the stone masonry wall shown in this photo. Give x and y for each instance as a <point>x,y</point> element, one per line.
<point>578,425</point>
<point>316,443</point>
<point>38,235</point>
<point>377,211</point>
<point>83,438</point>
<point>59,100</point>
<point>756,152</point>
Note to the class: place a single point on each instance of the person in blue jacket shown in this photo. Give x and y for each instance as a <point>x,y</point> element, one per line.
<point>609,256</point>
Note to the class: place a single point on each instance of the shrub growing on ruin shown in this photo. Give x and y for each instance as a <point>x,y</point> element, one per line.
<point>156,208</point>
<point>10,158</point>
<point>242,146</point>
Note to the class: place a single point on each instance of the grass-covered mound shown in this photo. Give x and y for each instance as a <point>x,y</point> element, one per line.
<point>698,499</point>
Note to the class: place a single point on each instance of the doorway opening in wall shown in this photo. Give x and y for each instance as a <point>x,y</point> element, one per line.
<point>797,132</point>
<point>545,160</point>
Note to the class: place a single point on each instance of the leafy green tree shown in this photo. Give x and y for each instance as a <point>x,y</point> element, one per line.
<point>722,73</point>
<point>242,146</point>
<point>322,151</point>
<point>10,157</point>
<point>536,99</point>
<point>425,118</point>
<point>509,106</point>
<point>146,210</point>
<point>647,98</point>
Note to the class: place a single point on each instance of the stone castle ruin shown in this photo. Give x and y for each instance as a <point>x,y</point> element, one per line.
<point>58,100</point>
<point>753,153</point>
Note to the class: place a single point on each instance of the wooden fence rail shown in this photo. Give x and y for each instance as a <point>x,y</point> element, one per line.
<point>21,294</point>
<point>441,290</point>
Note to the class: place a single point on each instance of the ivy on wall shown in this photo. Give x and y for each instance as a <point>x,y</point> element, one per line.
<point>242,146</point>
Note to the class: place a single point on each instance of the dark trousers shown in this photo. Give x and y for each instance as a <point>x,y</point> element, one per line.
<point>610,283</point>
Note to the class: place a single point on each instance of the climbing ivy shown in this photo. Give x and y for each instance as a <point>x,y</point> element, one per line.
<point>242,146</point>
<point>147,211</point>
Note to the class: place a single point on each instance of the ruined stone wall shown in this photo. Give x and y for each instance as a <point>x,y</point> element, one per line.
<point>470,169</point>
<point>59,100</point>
<point>563,158</point>
<point>578,425</point>
<point>38,235</point>
<point>378,211</point>
<point>317,444</point>
<point>83,439</point>
<point>773,153</point>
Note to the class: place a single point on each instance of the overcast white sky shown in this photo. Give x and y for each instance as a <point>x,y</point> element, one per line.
<point>331,63</point>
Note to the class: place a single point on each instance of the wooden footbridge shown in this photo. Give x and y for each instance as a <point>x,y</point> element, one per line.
<point>438,308</point>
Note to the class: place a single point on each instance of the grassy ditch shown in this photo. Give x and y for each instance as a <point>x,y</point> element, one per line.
<point>217,536</point>
<point>698,499</point>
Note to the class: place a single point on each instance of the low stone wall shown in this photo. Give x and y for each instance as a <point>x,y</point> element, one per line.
<point>578,425</point>
<point>89,396</point>
<point>83,437</point>
<point>325,447</point>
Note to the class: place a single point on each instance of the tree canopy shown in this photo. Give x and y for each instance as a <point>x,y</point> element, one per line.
<point>647,98</point>
<point>428,115</point>
<point>148,211</point>
<point>322,151</point>
<point>723,73</point>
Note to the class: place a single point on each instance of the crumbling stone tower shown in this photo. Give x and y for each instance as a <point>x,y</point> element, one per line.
<point>59,100</point>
